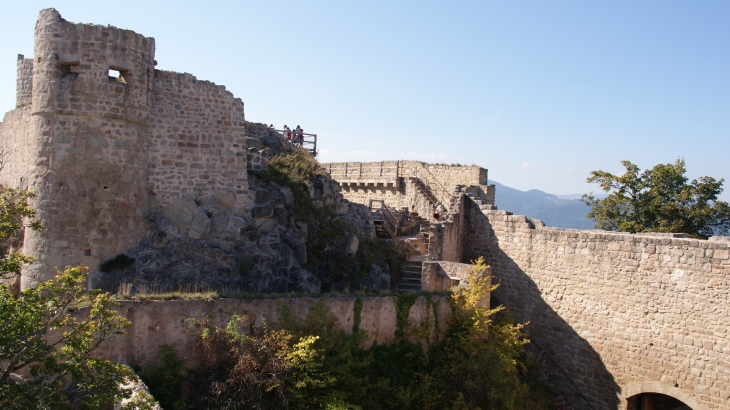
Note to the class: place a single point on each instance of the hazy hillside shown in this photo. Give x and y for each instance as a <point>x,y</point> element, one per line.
<point>549,208</point>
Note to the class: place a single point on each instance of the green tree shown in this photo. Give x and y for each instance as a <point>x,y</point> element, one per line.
<point>661,199</point>
<point>14,208</point>
<point>45,349</point>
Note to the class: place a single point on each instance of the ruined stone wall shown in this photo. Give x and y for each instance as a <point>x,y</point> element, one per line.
<point>18,148</point>
<point>155,323</point>
<point>102,137</point>
<point>442,275</point>
<point>197,144</point>
<point>612,311</point>
<point>446,238</point>
<point>24,85</point>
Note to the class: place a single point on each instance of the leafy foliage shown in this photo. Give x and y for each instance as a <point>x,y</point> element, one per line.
<point>45,350</point>
<point>13,208</point>
<point>164,380</point>
<point>337,270</point>
<point>659,200</point>
<point>311,363</point>
<point>40,337</point>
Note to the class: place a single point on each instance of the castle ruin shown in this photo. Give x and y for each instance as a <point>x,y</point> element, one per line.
<point>103,138</point>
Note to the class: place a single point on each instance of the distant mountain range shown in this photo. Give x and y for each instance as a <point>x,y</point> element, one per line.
<point>561,211</point>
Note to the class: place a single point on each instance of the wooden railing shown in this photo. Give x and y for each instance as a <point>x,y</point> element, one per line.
<point>386,218</point>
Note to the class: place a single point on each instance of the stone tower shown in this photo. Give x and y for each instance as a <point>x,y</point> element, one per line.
<point>102,138</point>
<point>91,96</point>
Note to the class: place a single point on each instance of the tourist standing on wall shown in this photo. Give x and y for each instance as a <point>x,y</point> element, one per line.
<point>299,136</point>
<point>287,133</point>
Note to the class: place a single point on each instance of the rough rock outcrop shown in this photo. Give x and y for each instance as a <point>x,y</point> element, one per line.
<point>201,243</point>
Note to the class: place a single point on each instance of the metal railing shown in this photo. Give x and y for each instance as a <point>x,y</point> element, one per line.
<point>430,181</point>
<point>309,142</point>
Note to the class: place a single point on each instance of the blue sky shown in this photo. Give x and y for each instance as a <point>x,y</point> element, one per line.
<point>540,93</point>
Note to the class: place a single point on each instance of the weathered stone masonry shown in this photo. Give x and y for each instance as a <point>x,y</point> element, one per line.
<point>101,150</point>
<point>617,314</point>
<point>613,314</point>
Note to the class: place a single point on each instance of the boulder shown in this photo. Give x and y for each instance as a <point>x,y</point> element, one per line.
<point>226,199</point>
<point>351,243</point>
<point>263,211</point>
<point>306,282</point>
<point>376,280</point>
<point>188,218</point>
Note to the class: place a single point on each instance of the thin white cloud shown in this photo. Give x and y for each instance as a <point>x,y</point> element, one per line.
<point>527,166</point>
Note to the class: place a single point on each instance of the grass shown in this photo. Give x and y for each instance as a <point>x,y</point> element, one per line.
<point>153,293</point>
<point>205,293</point>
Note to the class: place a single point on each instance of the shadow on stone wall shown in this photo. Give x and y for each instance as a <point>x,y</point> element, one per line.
<point>572,365</point>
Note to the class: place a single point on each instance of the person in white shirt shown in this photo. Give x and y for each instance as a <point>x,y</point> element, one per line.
<point>439,210</point>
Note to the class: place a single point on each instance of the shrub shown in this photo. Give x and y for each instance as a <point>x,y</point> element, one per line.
<point>310,363</point>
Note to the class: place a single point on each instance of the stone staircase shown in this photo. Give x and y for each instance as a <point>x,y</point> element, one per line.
<point>484,204</point>
<point>384,219</point>
<point>410,276</point>
<point>424,190</point>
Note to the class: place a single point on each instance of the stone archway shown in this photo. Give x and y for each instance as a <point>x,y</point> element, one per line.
<point>656,392</point>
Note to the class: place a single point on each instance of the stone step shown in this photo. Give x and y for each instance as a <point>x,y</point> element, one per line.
<point>410,283</point>
<point>409,288</point>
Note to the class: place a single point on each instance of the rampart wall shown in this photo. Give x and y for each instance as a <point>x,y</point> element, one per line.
<point>197,143</point>
<point>612,312</point>
<point>453,175</point>
<point>155,323</point>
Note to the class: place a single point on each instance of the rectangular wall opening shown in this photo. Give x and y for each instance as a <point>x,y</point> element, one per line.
<point>116,75</point>
<point>69,71</point>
